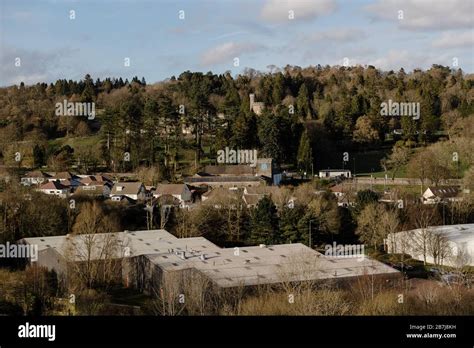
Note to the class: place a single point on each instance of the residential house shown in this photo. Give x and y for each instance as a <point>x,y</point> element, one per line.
<point>344,194</point>
<point>99,189</point>
<point>55,188</point>
<point>181,192</point>
<point>94,179</point>
<point>34,178</point>
<point>441,194</point>
<point>132,190</point>
<point>66,178</point>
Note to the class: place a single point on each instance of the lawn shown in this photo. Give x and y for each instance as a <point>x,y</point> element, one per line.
<point>88,141</point>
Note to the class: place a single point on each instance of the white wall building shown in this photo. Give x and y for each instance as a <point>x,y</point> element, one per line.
<point>333,173</point>
<point>163,254</point>
<point>450,245</point>
<point>54,188</point>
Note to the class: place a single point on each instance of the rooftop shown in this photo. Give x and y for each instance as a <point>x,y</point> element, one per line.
<point>53,185</point>
<point>456,233</point>
<point>170,189</point>
<point>445,191</point>
<point>250,266</point>
<point>126,188</point>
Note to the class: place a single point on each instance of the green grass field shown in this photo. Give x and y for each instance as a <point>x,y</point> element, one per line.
<point>74,142</point>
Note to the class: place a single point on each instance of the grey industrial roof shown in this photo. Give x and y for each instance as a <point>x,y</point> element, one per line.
<point>250,266</point>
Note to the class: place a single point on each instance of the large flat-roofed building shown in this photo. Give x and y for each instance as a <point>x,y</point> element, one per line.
<point>235,175</point>
<point>149,257</point>
<point>451,245</point>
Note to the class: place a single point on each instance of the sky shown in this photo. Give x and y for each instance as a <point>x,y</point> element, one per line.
<point>46,40</point>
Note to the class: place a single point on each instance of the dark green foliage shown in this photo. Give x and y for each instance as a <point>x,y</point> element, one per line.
<point>264,223</point>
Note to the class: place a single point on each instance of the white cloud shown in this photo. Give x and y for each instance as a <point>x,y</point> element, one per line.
<point>394,60</point>
<point>278,10</point>
<point>425,14</point>
<point>35,66</point>
<point>339,35</point>
<point>453,39</point>
<point>226,52</point>
<point>408,60</point>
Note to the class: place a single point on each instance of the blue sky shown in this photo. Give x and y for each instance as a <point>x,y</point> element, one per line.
<point>214,32</point>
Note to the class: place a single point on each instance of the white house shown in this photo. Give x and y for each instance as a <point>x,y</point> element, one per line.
<point>132,190</point>
<point>438,194</point>
<point>334,173</point>
<point>34,178</point>
<point>54,188</point>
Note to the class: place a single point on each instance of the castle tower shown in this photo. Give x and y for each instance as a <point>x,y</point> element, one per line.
<point>252,100</point>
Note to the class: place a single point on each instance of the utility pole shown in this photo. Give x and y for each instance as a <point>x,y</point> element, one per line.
<point>310,234</point>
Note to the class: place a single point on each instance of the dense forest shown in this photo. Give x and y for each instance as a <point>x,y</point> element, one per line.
<point>310,115</point>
